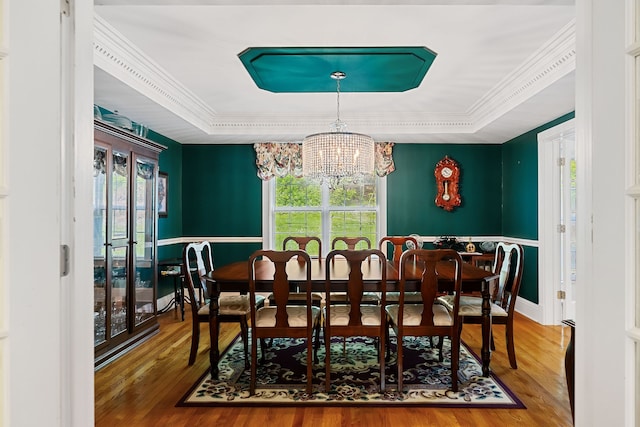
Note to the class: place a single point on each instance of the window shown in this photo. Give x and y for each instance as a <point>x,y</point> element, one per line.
<point>302,207</point>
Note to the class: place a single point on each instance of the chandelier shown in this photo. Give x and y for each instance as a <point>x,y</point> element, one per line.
<point>337,154</point>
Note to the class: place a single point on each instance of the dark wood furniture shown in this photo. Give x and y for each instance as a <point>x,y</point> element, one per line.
<point>508,267</point>
<point>302,242</point>
<point>235,277</point>
<point>399,244</point>
<point>428,318</point>
<point>125,170</point>
<point>569,365</point>
<point>351,242</point>
<point>354,318</point>
<point>282,320</point>
<point>173,268</point>
<point>197,262</point>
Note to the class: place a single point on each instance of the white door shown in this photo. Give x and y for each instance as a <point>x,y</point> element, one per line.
<point>557,222</point>
<point>566,212</point>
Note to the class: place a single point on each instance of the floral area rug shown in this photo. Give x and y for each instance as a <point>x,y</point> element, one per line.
<point>354,378</point>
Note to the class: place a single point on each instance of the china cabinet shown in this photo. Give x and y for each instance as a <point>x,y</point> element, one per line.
<point>125,171</point>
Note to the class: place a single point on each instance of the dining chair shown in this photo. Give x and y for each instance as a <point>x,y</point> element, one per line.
<point>197,259</point>
<point>428,318</point>
<point>282,320</point>
<point>301,242</point>
<point>399,244</point>
<point>355,318</point>
<point>508,265</point>
<point>351,243</point>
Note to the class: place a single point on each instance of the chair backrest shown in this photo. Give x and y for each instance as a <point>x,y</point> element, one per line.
<point>399,244</point>
<point>421,265</point>
<point>508,265</point>
<point>355,282</point>
<point>280,283</point>
<point>302,242</point>
<point>351,242</point>
<point>197,261</point>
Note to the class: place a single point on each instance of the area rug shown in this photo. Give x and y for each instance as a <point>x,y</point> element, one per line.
<point>354,379</point>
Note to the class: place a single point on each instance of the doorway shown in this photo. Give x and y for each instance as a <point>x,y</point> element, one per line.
<point>557,222</point>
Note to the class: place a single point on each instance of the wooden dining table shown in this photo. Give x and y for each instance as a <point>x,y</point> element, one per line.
<point>234,277</point>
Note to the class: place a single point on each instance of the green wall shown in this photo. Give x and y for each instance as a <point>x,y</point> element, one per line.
<point>214,191</point>
<point>222,197</point>
<point>520,199</point>
<point>411,191</point>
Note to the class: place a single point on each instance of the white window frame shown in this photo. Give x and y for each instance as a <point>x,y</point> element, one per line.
<point>268,208</point>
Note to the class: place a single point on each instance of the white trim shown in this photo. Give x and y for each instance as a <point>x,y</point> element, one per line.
<point>116,55</point>
<point>211,239</point>
<point>529,309</point>
<point>261,239</point>
<point>4,333</point>
<point>548,219</point>
<point>3,52</point>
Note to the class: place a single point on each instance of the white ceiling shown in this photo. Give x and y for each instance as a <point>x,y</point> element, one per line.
<point>503,67</point>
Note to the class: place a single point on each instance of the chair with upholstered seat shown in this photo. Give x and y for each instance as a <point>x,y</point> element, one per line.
<point>354,318</point>
<point>197,261</point>
<point>399,244</point>
<point>301,242</point>
<point>351,243</point>
<point>281,319</point>
<point>508,265</point>
<point>427,318</point>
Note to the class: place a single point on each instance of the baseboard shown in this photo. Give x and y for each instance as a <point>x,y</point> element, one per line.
<point>527,308</point>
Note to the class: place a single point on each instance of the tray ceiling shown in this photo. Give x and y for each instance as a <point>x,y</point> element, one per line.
<point>502,68</point>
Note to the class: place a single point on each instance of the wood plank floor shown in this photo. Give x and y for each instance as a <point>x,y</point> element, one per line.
<point>142,387</point>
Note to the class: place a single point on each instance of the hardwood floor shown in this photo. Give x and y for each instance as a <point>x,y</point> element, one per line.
<point>142,387</point>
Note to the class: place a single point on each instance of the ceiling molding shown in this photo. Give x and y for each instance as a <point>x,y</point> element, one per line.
<point>116,55</point>
<point>119,57</point>
<point>551,62</point>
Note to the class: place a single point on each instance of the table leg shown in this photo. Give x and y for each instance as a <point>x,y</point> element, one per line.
<point>214,353</point>
<point>486,329</point>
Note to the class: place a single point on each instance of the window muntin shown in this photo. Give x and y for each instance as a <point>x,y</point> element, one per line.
<point>303,207</point>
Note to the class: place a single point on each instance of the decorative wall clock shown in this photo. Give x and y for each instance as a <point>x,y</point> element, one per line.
<point>447,173</point>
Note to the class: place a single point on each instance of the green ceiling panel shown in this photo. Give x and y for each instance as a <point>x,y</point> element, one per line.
<point>308,69</point>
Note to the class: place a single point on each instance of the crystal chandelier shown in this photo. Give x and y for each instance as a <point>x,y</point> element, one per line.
<point>337,154</point>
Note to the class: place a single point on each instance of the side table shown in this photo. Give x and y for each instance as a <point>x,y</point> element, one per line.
<point>173,268</point>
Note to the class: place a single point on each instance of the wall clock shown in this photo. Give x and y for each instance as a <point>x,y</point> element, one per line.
<point>447,173</point>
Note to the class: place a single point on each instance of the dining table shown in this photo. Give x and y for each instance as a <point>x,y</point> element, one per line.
<point>234,277</point>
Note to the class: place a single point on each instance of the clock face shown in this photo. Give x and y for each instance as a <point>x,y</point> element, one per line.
<point>446,172</point>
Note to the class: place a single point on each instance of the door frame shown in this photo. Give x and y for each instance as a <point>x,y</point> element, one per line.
<point>548,236</point>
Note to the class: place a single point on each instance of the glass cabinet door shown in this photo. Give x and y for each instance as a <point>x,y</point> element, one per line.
<point>124,240</point>
<point>144,238</point>
<point>100,156</point>
<point>119,242</point>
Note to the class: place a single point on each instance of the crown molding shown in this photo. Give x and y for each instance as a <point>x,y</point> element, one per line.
<point>554,60</point>
<point>117,56</point>
<point>122,59</point>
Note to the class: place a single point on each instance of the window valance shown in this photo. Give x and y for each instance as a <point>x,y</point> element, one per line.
<point>285,158</point>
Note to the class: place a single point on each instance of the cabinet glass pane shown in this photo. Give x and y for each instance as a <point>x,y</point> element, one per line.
<point>120,195</point>
<point>99,239</point>
<point>119,275</point>
<point>144,238</point>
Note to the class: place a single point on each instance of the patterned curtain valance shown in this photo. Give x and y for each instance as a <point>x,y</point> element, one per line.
<point>282,159</point>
